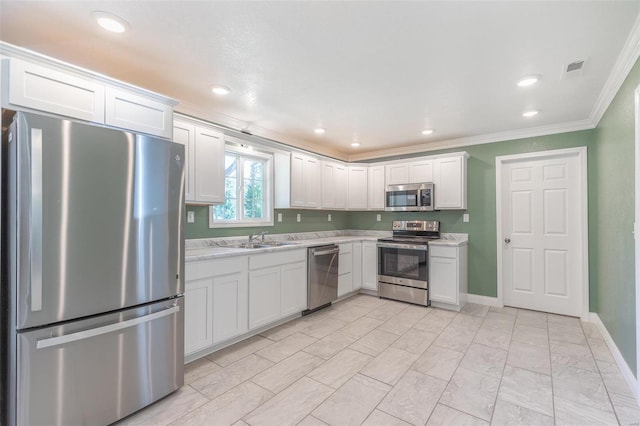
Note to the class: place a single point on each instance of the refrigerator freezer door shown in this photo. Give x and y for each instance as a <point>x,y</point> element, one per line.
<point>99,217</point>
<point>102,369</point>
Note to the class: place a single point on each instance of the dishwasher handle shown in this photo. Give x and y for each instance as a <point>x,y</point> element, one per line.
<point>326,252</point>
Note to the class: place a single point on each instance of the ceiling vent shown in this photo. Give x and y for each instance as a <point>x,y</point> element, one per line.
<point>573,70</point>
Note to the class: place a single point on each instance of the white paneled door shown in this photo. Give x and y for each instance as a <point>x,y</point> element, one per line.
<point>541,232</point>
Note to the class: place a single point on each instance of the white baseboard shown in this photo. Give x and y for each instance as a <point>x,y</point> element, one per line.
<point>482,300</point>
<point>631,380</point>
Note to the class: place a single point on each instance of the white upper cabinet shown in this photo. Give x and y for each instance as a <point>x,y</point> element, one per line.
<point>62,89</point>
<point>421,171</point>
<point>397,174</point>
<point>334,190</point>
<point>305,181</point>
<point>204,165</point>
<point>376,187</point>
<point>450,180</point>
<point>340,187</point>
<point>358,192</point>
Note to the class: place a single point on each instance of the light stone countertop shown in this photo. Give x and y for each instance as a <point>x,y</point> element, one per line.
<point>451,240</point>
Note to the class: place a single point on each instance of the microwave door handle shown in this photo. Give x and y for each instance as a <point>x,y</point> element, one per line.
<point>35,225</point>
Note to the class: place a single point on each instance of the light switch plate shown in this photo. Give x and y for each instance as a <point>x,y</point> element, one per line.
<point>279,217</point>
<point>329,217</point>
<point>378,217</point>
<point>191,216</point>
<point>465,217</point>
<point>298,217</point>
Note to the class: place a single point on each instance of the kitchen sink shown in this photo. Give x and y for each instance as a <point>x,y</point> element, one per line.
<point>257,245</point>
<point>277,243</point>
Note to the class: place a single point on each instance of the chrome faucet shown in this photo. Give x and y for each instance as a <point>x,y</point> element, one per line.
<point>262,235</point>
<point>254,237</point>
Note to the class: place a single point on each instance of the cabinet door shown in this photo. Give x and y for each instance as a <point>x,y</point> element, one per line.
<point>138,113</point>
<point>421,171</point>
<point>358,193</point>
<point>198,305</point>
<point>209,166</point>
<point>450,183</point>
<point>264,296</point>
<point>376,188</point>
<point>369,265</point>
<point>297,180</point>
<point>328,186</point>
<point>230,299</point>
<point>356,271</point>
<point>184,133</point>
<point>293,288</point>
<point>397,174</point>
<point>312,183</point>
<point>345,284</point>
<point>443,280</point>
<point>57,92</point>
<point>340,187</point>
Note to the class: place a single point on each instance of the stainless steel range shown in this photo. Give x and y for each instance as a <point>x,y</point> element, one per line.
<point>403,261</point>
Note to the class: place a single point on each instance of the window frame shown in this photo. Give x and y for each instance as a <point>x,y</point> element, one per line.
<point>248,153</point>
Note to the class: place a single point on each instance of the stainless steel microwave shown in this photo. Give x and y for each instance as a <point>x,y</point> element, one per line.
<point>410,197</point>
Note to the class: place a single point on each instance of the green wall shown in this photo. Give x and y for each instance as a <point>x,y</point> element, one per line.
<point>612,218</point>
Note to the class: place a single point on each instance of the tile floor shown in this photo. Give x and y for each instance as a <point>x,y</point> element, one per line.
<point>371,361</point>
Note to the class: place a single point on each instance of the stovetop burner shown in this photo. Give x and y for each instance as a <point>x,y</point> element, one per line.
<point>414,231</point>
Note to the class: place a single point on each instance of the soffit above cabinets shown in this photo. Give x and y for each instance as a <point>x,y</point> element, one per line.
<point>377,73</point>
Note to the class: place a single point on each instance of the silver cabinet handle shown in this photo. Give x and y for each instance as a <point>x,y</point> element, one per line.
<point>35,228</point>
<point>507,240</point>
<point>81,335</point>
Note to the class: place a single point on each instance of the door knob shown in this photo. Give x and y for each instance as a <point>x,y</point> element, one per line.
<point>507,240</point>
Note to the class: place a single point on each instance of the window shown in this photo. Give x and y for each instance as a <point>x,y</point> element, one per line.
<point>247,190</point>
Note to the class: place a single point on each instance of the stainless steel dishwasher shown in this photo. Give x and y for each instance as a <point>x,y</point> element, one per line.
<point>322,276</point>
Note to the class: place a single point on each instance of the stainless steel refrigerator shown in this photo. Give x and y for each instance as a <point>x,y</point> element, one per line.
<point>92,271</point>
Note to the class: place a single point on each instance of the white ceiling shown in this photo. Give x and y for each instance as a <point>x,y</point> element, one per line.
<point>375,72</point>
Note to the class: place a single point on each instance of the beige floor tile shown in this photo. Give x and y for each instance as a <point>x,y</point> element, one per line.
<point>571,354</point>
<point>286,347</point>
<point>350,313</point>
<point>415,341</point>
<point>600,350</point>
<point>475,309</point>
<point>447,416</point>
<point>240,423</point>
<point>221,381</point>
<point>330,345</point>
<point>504,310</point>
<point>565,333</point>
<point>286,329</point>
<point>375,342</point>
<point>466,321</point>
<point>432,324</point>
<point>380,418</point>
<point>367,302</point>
<point>581,386</point>
<point>494,337</point>
<point>279,376</point>
<point>168,409</point>
<point>413,398</point>
<point>390,365</point>
<point>531,335</point>
<point>311,421</point>
<point>323,328</point>
<point>505,318</point>
<point>472,393</point>
<point>361,326</point>
<point>527,389</point>
<point>563,319</point>
<point>227,408</point>
<point>572,413</point>
<point>239,350</point>
<point>531,319</point>
<point>443,313</point>
<point>499,323</point>
<point>406,319</point>
<point>529,357</point>
<point>353,402</point>
<point>506,413</point>
<point>485,359</point>
<point>591,331</point>
<point>626,408</point>
<point>613,379</point>
<point>387,311</point>
<point>291,405</point>
<point>336,371</point>
<point>199,368</point>
<point>438,362</point>
<point>457,339</point>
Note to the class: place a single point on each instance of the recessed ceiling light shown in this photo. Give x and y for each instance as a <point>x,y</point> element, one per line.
<point>530,114</point>
<point>355,144</point>
<point>319,131</point>
<point>427,131</point>
<point>528,81</point>
<point>111,22</point>
<point>220,90</point>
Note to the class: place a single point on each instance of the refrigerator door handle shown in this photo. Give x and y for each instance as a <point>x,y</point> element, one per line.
<point>81,335</point>
<point>35,229</point>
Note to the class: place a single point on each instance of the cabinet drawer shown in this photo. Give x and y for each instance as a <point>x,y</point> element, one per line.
<point>213,268</point>
<point>275,259</point>
<point>138,113</point>
<point>439,251</point>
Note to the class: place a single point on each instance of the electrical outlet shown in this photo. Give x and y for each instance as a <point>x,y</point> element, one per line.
<point>378,217</point>
<point>465,217</point>
<point>298,217</point>
<point>279,217</point>
<point>329,217</point>
<point>191,216</point>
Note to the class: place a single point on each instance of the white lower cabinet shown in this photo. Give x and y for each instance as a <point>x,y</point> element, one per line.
<point>448,276</point>
<point>215,302</point>
<point>370,265</point>
<point>356,272</point>
<point>345,269</point>
<point>277,286</point>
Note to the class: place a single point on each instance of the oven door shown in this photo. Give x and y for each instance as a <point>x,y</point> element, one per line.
<point>404,264</point>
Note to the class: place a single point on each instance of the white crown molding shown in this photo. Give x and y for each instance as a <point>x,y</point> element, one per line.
<point>476,140</point>
<point>626,59</point>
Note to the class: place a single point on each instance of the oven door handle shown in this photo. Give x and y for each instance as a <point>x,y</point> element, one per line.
<point>404,246</point>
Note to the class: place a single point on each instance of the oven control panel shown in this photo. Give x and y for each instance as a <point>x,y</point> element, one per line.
<point>416,225</point>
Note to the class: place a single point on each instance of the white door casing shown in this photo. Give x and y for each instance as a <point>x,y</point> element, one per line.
<point>541,210</point>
